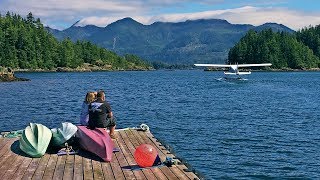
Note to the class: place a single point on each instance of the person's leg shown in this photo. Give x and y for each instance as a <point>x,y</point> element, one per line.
<point>111,126</point>
<point>112,135</point>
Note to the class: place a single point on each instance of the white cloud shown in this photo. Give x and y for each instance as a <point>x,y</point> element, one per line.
<point>61,13</point>
<point>245,15</point>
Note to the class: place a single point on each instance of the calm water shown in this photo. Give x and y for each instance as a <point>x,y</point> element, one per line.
<point>265,127</point>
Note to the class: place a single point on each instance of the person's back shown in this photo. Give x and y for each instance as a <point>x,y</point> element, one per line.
<point>100,114</point>
<point>97,114</point>
<point>99,111</point>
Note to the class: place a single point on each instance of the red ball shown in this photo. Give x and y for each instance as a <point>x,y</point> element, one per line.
<point>145,155</point>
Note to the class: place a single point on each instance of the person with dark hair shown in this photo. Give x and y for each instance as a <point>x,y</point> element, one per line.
<point>100,114</point>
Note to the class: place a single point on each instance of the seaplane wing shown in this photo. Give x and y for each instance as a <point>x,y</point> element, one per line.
<point>213,65</point>
<point>234,68</point>
<point>233,65</point>
<point>254,65</point>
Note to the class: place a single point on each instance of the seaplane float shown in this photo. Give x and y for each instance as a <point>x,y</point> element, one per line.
<point>233,71</point>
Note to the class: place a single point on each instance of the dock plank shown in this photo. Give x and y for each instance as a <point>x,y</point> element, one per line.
<point>127,149</point>
<point>133,144</point>
<point>8,157</point>
<point>13,168</point>
<point>51,165</point>
<point>78,168</point>
<point>39,172</point>
<point>14,164</point>
<point>166,171</point>
<point>68,167</point>
<point>97,170</point>
<point>123,162</point>
<point>28,174</point>
<point>87,169</point>
<point>116,168</point>
<point>22,168</point>
<point>3,142</point>
<point>164,153</point>
<point>182,167</point>
<point>107,171</point>
<point>59,169</point>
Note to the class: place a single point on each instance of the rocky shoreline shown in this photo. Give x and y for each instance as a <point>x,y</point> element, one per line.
<point>7,75</point>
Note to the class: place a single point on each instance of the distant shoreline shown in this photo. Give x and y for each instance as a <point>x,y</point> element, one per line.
<point>96,69</point>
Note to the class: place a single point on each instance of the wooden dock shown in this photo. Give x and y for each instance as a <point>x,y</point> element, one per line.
<point>14,164</point>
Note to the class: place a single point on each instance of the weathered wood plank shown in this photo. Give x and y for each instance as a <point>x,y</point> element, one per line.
<point>122,161</point>
<point>97,170</point>
<point>39,172</point>
<point>68,167</point>
<point>166,171</point>
<point>107,171</point>
<point>13,168</point>
<point>51,165</point>
<point>31,168</point>
<point>117,171</point>
<point>127,150</point>
<point>59,169</point>
<point>5,150</point>
<point>22,168</point>
<point>3,142</point>
<point>87,169</point>
<point>78,169</point>
<point>182,167</point>
<point>163,153</point>
<point>9,156</point>
<point>14,164</point>
<point>132,144</point>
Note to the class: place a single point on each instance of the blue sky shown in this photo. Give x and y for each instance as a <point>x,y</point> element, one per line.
<point>61,14</point>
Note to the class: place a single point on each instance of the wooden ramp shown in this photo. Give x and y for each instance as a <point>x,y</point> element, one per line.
<point>14,164</point>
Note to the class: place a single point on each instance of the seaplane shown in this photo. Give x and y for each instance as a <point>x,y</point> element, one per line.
<point>233,72</point>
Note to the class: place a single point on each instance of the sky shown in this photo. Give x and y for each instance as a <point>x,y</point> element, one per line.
<point>61,14</point>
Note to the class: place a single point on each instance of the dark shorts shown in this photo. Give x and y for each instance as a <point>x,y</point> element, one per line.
<point>111,122</point>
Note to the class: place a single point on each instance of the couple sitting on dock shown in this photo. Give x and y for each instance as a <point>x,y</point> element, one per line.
<point>96,112</point>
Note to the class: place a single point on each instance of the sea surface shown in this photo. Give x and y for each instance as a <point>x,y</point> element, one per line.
<point>267,126</point>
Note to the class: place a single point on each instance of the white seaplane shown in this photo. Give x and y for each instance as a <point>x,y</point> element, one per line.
<point>234,69</point>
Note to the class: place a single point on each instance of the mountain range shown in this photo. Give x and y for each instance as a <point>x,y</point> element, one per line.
<point>192,41</point>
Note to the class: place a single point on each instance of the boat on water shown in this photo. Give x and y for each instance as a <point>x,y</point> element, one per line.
<point>96,141</point>
<point>63,134</point>
<point>35,140</point>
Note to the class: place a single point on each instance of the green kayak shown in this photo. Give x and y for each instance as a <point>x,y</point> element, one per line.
<point>35,139</point>
<point>63,134</point>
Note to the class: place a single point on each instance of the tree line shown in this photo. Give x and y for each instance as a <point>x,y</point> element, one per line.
<point>26,44</point>
<point>300,50</point>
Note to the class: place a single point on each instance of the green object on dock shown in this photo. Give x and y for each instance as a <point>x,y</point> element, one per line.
<point>11,134</point>
<point>35,140</point>
<point>63,134</point>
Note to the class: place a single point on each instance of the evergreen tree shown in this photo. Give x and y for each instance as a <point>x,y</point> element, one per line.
<point>24,43</point>
<point>282,49</point>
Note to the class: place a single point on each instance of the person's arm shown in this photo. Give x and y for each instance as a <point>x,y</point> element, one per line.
<point>109,110</point>
<point>110,115</point>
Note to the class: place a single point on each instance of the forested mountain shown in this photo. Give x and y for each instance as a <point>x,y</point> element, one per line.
<point>282,49</point>
<point>25,44</point>
<point>205,41</point>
